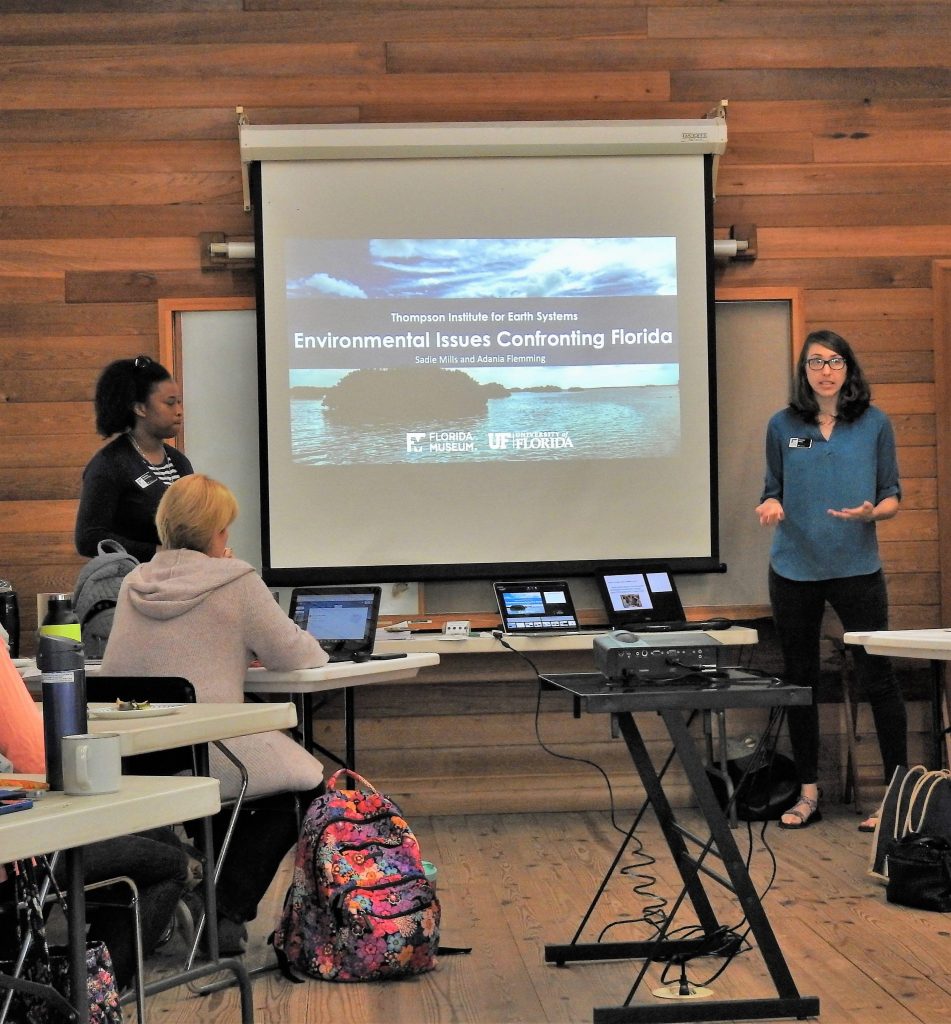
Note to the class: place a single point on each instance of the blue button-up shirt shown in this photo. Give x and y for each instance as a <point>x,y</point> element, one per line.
<point>808,475</point>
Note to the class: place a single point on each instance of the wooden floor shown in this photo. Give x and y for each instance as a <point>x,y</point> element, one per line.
<point>510,884</point>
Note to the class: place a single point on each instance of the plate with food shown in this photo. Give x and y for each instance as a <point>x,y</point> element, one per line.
<point>132,709</point>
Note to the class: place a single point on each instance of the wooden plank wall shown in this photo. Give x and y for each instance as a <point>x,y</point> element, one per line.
<point>118,147</point>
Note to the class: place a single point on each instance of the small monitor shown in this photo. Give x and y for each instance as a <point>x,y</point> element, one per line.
<point>536,608</point>
<point>641,594</point>
<point>342,619</point>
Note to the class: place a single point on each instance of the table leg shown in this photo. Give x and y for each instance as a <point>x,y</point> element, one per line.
<point>732,860</point>
<point>205,844</point>
<point>76,920</point>
<point>307,721</point>
<point>349,724</point>
<point>306,713</point>
<point>692,869</point>
<point>646,949</point>
<point>939,698</point>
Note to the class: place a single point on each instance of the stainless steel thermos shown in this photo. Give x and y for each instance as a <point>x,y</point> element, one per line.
<point>63,678</point>
<point>10,616</point>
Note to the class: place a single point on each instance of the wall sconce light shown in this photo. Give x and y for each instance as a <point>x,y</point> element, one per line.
<point>741,245</point>
<point>221,253</point>
<point>218,252</point>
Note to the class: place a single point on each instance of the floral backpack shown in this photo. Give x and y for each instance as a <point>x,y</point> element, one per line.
<point>360,907</point>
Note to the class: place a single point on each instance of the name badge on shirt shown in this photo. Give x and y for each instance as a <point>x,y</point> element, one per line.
<point>800,442</point>
<point>146,479</point>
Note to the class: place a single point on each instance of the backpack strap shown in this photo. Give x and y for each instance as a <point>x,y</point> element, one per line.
<point>359,781</point>
<point>920,798</point>
<point>900,827</point>
<point>109,546</point>
<point>283,964</point>
<point>100,606</point>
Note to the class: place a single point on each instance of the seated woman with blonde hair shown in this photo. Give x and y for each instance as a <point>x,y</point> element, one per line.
<point>197,612</point>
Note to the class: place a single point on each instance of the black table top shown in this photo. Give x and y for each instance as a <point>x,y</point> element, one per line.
<point>740,689</point>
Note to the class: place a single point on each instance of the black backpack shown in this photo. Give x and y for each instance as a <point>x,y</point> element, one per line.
<point>96,593</point>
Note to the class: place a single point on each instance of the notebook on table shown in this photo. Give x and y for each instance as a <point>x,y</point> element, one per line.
<point>536,608</point>
<point>643,597</point>
<point>341,619</point>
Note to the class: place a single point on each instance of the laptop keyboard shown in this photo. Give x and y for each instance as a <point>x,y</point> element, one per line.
<point>557,632</point>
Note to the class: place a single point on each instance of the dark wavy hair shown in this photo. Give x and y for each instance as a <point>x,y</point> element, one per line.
<point>855,396</point>
<point>120,387</point>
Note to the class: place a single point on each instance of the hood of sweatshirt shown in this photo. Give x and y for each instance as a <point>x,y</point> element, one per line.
<point>174,582</point>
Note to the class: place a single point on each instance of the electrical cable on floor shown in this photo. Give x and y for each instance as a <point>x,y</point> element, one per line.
<point>654,913</point>
<point>725,941</point>
<point>735,938</point>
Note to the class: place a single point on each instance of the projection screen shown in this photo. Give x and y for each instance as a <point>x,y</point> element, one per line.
<point>484,349</point>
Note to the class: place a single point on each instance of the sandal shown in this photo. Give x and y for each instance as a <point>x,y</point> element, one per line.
<point>807,816</point>
<point>871,822</point>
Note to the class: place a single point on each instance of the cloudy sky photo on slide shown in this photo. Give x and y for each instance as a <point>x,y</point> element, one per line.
<point>482,268</point>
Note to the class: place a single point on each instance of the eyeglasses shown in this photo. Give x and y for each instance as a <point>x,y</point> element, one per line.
<point>140,362</point>
<point>817,363</point>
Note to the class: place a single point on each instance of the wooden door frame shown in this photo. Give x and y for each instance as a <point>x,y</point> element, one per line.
<point>794,296</point>
<point>170,332</point>
<point>941,283</point>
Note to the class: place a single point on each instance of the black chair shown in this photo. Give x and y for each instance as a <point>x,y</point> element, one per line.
<point>168,690</point>
<point>158,690</point>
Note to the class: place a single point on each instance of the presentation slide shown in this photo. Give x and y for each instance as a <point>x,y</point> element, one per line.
<point>472,350</point>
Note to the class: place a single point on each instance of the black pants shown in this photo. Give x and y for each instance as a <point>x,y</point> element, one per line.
<point>266,829</point>
<point>157,864</point>
<point>861,602</point>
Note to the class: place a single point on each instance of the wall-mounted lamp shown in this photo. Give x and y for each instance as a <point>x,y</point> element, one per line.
<point>221,253</point>
<point>728,248</point>
<point>741,245</point>
<point>232,250</point>
<point>218,252</point>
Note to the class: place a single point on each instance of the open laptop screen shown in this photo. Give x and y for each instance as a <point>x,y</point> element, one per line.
<point>342,619</point>
<point>642,594</point>
<point>536,607</point>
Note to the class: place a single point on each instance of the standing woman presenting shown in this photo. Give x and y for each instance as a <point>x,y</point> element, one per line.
<point>125,480</point>
<point>831,474</point>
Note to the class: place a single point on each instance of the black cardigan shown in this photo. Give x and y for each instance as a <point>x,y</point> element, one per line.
<point>113,505</point>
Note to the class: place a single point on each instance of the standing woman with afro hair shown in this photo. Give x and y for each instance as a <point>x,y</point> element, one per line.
<point>137,400</point>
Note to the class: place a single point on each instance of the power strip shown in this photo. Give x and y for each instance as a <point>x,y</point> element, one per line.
<point>457,629</point>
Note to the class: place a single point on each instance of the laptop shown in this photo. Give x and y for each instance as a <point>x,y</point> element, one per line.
<point>341,619</point>
<point>541,608</point>
<point>643,597</point>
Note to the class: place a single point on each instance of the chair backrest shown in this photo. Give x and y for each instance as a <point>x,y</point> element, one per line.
<point>160,690</point>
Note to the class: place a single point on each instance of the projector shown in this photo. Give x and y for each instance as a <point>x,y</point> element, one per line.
<point>654,658</point>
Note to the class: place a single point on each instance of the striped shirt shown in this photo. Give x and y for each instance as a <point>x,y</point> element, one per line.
<point>167,472</point>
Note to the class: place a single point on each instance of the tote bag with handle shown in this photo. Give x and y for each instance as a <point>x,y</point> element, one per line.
<point>916,801</point>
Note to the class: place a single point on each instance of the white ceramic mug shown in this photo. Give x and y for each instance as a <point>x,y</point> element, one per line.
<point>92,763</point>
